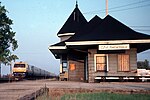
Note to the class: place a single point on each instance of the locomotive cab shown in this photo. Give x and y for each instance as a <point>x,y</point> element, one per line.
<point>20,69</point>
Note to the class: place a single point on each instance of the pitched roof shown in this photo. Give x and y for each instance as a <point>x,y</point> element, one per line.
<point>62,43</point>
<point>109,29</point>
<point>74,22</point>
<point>91,25</point>
<point>58,49</point>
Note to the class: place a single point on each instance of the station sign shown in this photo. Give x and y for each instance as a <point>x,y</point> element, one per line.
<point>114,47</point>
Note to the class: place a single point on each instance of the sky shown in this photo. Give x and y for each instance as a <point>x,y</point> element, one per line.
<point>36,23</point>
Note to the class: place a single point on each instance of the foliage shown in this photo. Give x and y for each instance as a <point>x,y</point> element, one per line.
<point>143,64</point>
<point>8,43</point>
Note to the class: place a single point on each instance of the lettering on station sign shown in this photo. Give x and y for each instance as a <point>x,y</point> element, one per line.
<point>114,47</point>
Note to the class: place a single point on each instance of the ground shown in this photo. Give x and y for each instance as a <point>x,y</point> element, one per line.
<point>16,90</point>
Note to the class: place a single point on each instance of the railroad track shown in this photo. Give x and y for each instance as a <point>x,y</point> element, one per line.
<point>5,80</point>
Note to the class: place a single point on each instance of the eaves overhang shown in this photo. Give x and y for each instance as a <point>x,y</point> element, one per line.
<point>65,34</point>
<point>57,51</point>
<point>107,42</point>
<point>57,47</point>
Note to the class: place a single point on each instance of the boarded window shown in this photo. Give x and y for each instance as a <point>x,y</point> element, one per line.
<point>123,62</point>
<point>100,63</point>
<point>72,67</point>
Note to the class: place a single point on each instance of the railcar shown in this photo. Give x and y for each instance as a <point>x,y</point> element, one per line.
<point>23,70</point>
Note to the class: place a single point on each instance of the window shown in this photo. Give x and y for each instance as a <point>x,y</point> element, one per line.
<point>64,66</point>
<point>123,62</point>
<point>100,62</point>
<point>19,65</point>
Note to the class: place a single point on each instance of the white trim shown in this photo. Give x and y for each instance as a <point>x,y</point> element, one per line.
<point>98,78</point>
<point>107,77</point>
<point>126,78</point>
<point>108,42</point>
<point>65,34</point>
<point>107,62</point>
<point>112,77</point>
<point>57,47</point>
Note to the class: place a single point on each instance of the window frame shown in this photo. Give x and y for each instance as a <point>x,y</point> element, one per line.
<point>64,68</point>
<point>106,62</point>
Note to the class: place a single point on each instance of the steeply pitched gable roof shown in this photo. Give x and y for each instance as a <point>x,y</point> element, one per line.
<point>109,29</point>
<point>91,25</point>
<point>74,22</point>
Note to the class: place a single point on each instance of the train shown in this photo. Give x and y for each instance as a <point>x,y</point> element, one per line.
<point>22,70</point>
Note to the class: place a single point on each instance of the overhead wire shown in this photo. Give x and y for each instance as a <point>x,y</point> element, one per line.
<point>130,6</point>
<point>141,28</point>
<point>117,7</point>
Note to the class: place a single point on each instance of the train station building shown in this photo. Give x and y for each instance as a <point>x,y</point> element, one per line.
<point>91,50</point>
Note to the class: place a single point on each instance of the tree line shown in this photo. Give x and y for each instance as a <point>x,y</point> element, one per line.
<point>143,64</point>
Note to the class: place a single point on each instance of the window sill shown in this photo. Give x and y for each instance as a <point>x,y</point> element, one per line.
<point>101,71</point>
<point>123,71</point>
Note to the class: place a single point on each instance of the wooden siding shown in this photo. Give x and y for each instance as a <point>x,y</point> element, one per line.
<point>112,64</point>
<point>133,59</point>
<point>91,66</point>
<point>76,70</point>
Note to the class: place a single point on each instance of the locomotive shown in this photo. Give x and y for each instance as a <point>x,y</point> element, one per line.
<point>24,70</point>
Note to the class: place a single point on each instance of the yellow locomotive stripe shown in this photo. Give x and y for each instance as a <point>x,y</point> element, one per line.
<point>19,70</point>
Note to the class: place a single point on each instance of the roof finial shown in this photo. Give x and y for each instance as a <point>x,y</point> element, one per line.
<point>76,4</point>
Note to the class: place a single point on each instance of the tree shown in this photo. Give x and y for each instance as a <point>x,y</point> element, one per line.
<point>143,64</point>
<point>146,65</point>
<point>8,43</point>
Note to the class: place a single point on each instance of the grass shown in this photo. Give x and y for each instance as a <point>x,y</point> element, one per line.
<point>97,96</point>
<point>105,96</point>
<point>45,96</point>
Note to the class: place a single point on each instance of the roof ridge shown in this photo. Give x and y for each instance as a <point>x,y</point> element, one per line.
<point>108,29</point>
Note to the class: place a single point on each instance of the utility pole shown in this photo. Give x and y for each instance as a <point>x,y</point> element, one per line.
<point>106,7</point>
